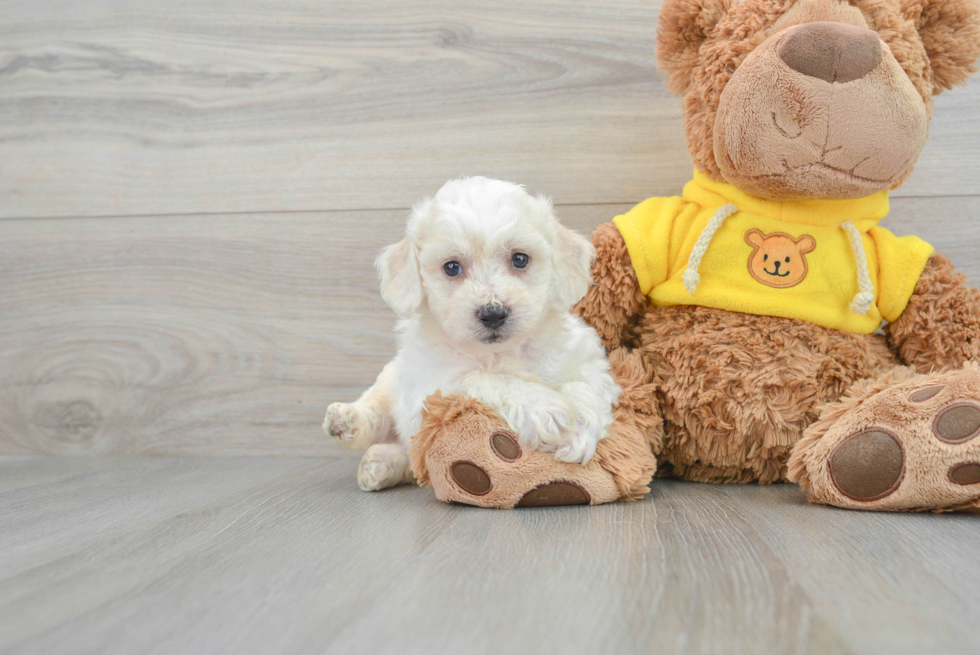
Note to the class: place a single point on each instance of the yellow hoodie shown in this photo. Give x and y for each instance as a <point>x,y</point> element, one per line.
<point>826,262</point>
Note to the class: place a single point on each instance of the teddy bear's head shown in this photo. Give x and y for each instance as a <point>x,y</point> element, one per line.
<point>791,99</point>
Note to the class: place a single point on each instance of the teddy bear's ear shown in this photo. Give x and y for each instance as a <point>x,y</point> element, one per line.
<point>950,31</point>
<point>684,26</point>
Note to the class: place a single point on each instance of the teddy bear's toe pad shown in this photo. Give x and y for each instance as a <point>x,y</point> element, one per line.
<point>868,465</point>
<point>965,474</point>
<point>561,492</point>
<point>505,447</point>
<point>957,423</point>
<point>912,446</point>
<point>470,478</point>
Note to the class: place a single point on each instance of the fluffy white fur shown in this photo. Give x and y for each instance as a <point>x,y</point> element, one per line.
<point>544,371</point>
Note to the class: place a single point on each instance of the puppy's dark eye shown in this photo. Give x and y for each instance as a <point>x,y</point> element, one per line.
<point>787,260</point>
<point>520,260</point>
<point>765,258</point>
<point>452,268</point>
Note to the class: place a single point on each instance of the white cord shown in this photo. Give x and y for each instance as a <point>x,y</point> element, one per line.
<point>691,276</point>
<point>861,303</point>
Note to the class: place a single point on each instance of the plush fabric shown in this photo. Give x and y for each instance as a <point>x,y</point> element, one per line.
<point>736,390</point>
<point>905,411</point>
<point>618,295</point>
<point>458,451</point>
<point>701,45</point>
<point>800,114</point>
<point>469,455</point>
<point>940,327</point>
<point>788,259</point>
<point>788,135</point>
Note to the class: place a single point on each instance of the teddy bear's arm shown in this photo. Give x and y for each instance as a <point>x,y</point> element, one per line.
<point>614,303</point>
<point>940,326</point>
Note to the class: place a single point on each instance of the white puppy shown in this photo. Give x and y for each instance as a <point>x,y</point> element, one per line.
<point>484,282</point>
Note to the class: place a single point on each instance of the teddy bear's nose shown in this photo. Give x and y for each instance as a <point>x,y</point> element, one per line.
<point>833,52</point>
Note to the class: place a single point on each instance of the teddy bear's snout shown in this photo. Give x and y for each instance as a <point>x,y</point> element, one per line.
<point>832,52</point>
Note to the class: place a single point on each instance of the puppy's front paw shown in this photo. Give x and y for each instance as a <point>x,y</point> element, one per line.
<point>543,420</point>
<point>346,424</point>
<point>579,445</point>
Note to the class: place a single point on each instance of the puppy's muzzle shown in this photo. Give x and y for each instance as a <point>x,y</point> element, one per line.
<point>493,316</point>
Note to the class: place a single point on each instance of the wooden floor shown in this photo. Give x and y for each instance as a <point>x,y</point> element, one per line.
<point>274,555</point>
<point>192,195</point>
<point>191,198</point>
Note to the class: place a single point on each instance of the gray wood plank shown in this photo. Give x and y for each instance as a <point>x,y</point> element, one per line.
<point>121,108</point>
<point>262,555</point>
<point>52,517</point>
<point>890,565</point>
<point>191,335</point>
<point>228,334</point>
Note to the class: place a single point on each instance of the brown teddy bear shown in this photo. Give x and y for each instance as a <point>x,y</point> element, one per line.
<point>744,318</point>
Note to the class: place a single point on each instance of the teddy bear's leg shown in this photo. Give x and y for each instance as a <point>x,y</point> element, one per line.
<point>637,406</point>
<point>905,441</point>
<point>469,454</point>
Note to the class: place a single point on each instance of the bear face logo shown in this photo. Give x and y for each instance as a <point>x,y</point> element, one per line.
<point>778,260</point>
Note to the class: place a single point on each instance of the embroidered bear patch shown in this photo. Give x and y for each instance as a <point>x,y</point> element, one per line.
<point>778,260</point>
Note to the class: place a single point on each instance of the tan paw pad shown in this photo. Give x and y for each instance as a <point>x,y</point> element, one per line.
<point>912,446</point>
<point>471,478</point>
<point>957,423</point>
<point>505,447</point>
<point>868,465</point>
<point>965,474</point>
<point>926,393</point>
<point>476,459</point>
<point>560,492</point>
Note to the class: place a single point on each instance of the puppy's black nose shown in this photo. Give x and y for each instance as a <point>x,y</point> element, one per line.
<point>493,316</point>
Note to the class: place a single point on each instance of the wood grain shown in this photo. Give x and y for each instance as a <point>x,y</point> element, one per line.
<point>135,108</point>
<point>228,334</point>
<point>265,555</point>
<point>203,334</point>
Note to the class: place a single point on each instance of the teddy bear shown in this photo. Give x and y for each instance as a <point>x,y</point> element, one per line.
<point>764,325</point>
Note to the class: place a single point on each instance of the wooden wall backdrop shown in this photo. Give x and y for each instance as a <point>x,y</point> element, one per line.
<point>192,193</point>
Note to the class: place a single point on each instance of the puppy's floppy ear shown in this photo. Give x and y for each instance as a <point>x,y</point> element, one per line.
<point>950,32</point>
<point>573,266</point>
<point>401,284</point>
<point>683,27</point>
<point>398,268</point>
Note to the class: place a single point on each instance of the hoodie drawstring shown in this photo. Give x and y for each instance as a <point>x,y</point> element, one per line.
<point>691,276</point>
<point>865,297</point>
<point>860,304</point>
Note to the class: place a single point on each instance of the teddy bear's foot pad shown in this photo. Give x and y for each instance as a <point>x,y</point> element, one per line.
<point>868,465</point>
<point>485,466</point>
<point>469,455</point>
<point>561,492</point>
<point>908,445</point>
<point>473,480</point>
